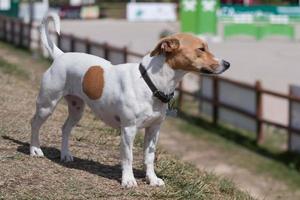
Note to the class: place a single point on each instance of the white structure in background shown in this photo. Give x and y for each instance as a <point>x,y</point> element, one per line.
<point>151,12</point>
<point>5,4</point>
<point>40,9</point>
<point>81,2</point>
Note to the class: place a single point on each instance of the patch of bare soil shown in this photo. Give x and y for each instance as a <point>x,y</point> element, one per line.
<point>208,158</point>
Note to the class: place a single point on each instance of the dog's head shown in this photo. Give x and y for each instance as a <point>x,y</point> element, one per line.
<point>189,53</point>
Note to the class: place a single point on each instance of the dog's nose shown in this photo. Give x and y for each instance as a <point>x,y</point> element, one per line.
<point>225,64</point>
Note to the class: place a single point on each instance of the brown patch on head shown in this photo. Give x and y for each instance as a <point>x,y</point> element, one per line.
<point>190,53</point>
<point>93,82</point>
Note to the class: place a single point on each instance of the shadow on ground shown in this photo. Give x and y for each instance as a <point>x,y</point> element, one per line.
<point>53,154</point>
<point>288,158</point>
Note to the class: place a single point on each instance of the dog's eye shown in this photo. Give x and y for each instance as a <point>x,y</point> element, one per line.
<point>202,49</point>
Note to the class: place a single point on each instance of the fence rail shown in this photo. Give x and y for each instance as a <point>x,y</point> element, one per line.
<point>27,36</point>
<point>259,91</point>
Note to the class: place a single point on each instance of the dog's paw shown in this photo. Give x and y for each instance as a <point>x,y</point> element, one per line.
<point>36,152</point>
<point>129,182</point>
<point>155,181</point>
<point>66,157</point>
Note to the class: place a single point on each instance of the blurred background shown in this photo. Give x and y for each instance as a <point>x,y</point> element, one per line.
<point>254,106</point>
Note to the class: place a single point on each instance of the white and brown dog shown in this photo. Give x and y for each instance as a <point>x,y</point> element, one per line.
<point>121,95</point>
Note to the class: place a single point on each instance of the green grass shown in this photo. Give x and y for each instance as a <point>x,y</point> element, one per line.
<point>24,53</point>
<point>226,186</point>
<point>12,69</point>
<point>184,181</point>
<point>242,148</point>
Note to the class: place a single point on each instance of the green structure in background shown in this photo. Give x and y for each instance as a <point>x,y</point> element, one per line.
<point>188,15</point>
<point>207,17</point>
<point>199,16</point>
<point>260,21</point>
<point>259,30</point>
<point>9,7</point>
<point>287,30</point>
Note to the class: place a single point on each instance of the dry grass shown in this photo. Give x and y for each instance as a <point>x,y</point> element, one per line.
<point>95,173</point>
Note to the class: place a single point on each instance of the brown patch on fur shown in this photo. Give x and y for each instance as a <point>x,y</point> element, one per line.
<point>93,82</point>
<point>188,55</point>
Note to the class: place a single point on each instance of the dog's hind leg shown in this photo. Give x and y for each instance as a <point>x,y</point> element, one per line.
<point>76,108</point>
<point>45,105</point>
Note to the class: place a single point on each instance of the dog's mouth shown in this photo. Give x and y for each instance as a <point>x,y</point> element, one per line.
<point>206,71</point>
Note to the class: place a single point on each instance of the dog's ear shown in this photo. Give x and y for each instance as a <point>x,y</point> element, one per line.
<point>166,45</point>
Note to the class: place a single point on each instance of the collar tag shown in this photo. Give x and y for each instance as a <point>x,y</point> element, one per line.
<point>171,111</point>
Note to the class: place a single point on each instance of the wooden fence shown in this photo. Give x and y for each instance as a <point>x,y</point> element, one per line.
<point>257,116</point>
<point>27,36</point>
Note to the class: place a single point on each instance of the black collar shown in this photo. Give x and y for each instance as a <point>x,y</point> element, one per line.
<point>165,98</point>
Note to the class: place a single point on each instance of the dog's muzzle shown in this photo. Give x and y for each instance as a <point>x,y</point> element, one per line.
<point>225,64</point>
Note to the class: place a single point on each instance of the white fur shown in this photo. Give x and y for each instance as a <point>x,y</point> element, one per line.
<point>126,102</point>
<point>53,50</point>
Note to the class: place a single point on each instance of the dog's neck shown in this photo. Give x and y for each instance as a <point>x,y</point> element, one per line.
<point>162,75</point>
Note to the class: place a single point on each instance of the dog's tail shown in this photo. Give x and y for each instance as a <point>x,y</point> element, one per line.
<point>53,50</point>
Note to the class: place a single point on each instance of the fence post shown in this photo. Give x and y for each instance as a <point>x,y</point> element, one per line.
<point>290,120</point>
<point>72,43</point>
<point>87,46</point>
<point>215,100</point>
<point>4,29</point>
<point>106,51</point>
<point>180,96</point>
<point>21,33</point>
<point>12,32</point>
<point>125,54</point>
<point>29,35</point>
<point>259,112</point>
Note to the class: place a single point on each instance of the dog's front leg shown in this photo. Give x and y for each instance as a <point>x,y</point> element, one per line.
<point>127,139</point>
<point>151,138</point>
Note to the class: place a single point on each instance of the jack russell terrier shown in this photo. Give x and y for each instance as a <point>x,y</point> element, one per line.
<point>128,96</point>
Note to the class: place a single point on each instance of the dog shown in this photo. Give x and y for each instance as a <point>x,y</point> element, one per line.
<point>128,97</point>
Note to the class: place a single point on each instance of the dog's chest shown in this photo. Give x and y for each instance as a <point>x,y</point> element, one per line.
<point>146,119</point>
